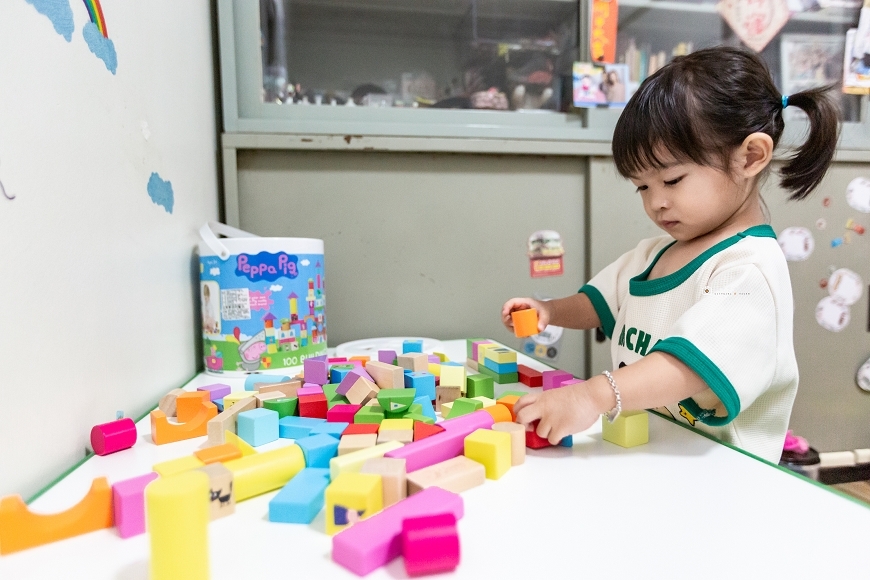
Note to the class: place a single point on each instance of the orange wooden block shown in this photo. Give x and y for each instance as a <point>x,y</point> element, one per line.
<point>162,431</point>
<point>360,358</point>
<point>218,453</point>
<point>500,413</point>
<point>187,404</point>
<point>509,401</point>
<point>21,529</point>
<point>525,322</point>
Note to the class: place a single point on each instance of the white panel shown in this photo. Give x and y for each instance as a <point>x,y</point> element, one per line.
<point>97,304</point>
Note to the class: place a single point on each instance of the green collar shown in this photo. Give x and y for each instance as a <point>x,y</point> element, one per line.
<point>641,286</point>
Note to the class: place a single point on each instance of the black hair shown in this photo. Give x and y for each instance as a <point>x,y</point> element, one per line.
<point>700,107</point>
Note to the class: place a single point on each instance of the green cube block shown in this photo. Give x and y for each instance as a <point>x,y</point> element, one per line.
<point>464,406</point>
<point>395,402</point>
<point>420,417</point>
<point>415,408</point>
<point>479,386</point>
<point>629,430</point>
<point>284,407</point>
<point>369,414</point>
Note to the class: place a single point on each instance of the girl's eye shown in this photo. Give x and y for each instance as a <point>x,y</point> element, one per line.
<point>674,181</point>
<point>640,188</point>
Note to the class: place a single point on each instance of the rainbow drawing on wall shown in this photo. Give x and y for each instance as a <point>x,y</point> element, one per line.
<point>95,11</point>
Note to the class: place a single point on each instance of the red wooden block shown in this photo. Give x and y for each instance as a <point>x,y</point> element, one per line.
<point>423,430</point>
<point>313,406</point>
<point>361,428</point>
<point>530,377</point>
<point>533,441</point>
<point>342,413</point>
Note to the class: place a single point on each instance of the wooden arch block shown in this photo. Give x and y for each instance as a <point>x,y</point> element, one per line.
<point>162,431</point>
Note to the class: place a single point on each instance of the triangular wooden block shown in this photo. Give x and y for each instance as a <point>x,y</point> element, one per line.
<point>422,430</point>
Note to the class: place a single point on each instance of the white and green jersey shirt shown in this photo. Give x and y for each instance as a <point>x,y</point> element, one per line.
<point>727,315</point>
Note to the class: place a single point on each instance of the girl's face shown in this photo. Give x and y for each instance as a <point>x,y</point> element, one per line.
<point>688,200</point>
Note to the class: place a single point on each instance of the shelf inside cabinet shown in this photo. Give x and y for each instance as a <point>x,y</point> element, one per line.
<point>832,15</point>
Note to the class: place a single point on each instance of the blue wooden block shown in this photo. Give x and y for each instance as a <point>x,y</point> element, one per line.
<point>449,363</point>
<point>219,403</point>
<point>333,429</point>
<point>255,378</point>
<point>425,402</point>
<point>297,427</point>
<point>318,449</point>
<point>567,441</point>
<point>301,499</point>
<point>500,368</point>
<point>422,381</point>
<point>412,346</point>
<point>336,375</point>
<point>257,426</point>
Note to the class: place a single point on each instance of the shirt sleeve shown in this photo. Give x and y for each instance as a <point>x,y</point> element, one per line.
<point>607,289</point>
<point>729,339</point>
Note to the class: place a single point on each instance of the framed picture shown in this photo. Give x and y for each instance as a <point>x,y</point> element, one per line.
<point>856,63</point>
<point>809,61</point>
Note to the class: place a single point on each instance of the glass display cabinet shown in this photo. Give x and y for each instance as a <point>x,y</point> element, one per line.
<point>491,69</point>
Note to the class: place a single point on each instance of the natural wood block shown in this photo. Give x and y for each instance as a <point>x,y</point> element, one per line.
<point>222,499</point>
<point>168,402</point>
<point>270,396</point>
<point>289,388</point>
<point>457,475</point>
<point>226,421</point>
<point>413,361</point>
<point>445,395</point>
<point>362,391</point>
<point>351,443</point>
<point>386,376</point>
<point>392,472</point>
<point>401,435</point>
<point>518,440</point>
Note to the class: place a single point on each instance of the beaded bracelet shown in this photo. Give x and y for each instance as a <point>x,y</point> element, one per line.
<point>616,410</point>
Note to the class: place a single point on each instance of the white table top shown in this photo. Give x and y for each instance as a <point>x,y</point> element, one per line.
<point>680,505</point>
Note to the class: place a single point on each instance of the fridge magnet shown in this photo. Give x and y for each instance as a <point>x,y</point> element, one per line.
<point>97,36</point>
<point>845,286</point>
<point>755,22</point>
<point>852,226</point>
<point>821,224</point>
<point>826,202</point>
<point>862,377</point>
<point>797,243</point>
<point>858,194</point>
<point>545,254</point>
<point>831,314</point>
<point>837,242</point>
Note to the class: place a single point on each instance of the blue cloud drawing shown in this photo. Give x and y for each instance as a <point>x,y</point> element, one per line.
<point>160,192</point>
<point>101,46</point>
<point>60,14</point>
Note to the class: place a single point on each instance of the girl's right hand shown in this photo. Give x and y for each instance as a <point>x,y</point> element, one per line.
<point>515,304</point>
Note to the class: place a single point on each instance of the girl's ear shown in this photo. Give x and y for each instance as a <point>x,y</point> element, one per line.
<point>754,154</point>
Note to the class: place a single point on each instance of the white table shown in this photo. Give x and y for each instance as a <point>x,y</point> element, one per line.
<point>680,506</point>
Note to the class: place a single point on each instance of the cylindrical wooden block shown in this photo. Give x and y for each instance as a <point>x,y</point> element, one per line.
<point>115,436</point>
<point>518,440</point>
<point>177,510</point>
<point>262,472</point>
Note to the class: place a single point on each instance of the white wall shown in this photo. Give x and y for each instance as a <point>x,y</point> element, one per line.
<point>96,296</point>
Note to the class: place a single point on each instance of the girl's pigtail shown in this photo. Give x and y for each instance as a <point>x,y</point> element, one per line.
<point>805,169</point>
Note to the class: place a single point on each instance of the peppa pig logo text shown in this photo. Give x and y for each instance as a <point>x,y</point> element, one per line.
<point>266,266</point>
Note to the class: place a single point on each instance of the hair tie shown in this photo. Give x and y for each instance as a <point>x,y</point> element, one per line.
<point>784,101</point>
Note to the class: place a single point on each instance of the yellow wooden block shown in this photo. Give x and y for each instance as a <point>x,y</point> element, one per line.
<point>243,445</point>
<point>630,429</point>
<point>353,462</point>
<point>396,425</point>
<point>490,448</point>
<point>435,369</point>
<point>482,348</point>
<point>441,356</point>
<point>176,466</point>
<point>453,377</point>
<point>177,510</point>
<point>352,497</point>
<point>236,396</point>
<point>501,355</point>
<point>262,472</point>
<point>487,402</point>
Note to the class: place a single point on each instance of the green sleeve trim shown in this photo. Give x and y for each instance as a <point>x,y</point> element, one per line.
<point>696,360</point>
<point>641,286</point>
<point>601,309</point>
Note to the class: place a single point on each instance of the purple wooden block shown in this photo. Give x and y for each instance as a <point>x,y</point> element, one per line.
<point>316,370</point>
<point>350,378</point>
<point>128,503</point>
<point>310,389</point>
<point>552,379</point>
<point>386,356</point>
<point>433,358</point>
<point>216,391</point>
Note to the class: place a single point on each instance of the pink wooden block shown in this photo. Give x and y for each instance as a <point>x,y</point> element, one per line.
<point>342,413</point>
<point>375,541</point>
<point>115,436</point>
<point>386,356</point>
<point>442,446</point>
<point>309,389</point>
<point>433,358</point>
<point>553,378</point>
<point>336,360</point>
<point>316,370</point>
<point>430,544</point>
<point>476,344</point>
<point>128,503</point>
<point>350,378</point>
<point>216,391</point>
